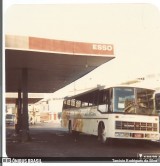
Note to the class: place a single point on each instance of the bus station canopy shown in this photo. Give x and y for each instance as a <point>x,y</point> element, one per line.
<point>51,64</point>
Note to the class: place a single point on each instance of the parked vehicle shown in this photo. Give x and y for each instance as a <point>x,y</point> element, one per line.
<point>120,112</point>
<point>10,119</point>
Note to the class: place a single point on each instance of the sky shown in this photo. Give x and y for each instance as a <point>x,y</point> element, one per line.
<point>133,29</point>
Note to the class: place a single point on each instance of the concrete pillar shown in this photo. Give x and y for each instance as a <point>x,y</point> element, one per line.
<point>25,125</point>
<point>19,111</point>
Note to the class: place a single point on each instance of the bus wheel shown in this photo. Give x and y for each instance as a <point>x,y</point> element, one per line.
<point>101,133</point>
<point>70,128</point>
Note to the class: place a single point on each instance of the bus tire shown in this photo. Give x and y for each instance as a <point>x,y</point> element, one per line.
<point>101,133</point>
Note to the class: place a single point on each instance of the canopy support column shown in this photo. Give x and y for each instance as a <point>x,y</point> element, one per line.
<point>25,125</point>
<point>19,111</point>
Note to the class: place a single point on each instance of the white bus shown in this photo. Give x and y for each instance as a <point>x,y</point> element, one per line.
<point>121,112</point>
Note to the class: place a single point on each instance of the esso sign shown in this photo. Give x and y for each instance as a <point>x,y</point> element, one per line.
<point>103,47</point>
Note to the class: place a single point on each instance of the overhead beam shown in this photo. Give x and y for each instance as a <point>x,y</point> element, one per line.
<point>32,97</point>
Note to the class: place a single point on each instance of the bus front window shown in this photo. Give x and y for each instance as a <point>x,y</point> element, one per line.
<point>124,100</point>
<point>134,101</point>
<point>145,101</point>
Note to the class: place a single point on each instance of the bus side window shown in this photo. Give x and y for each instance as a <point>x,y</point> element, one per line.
<point>103,102</point>
<point>64,104</point>
<point>68,104</point>
<point>92,100</point>
<point>95,98</point>
<point>108,101</point>
<point>73,103</point>
<point>78,103</point>
<point>84,104</point>
<point>90,104</point>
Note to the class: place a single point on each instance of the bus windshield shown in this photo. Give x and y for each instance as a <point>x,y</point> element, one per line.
<point>133,101</point>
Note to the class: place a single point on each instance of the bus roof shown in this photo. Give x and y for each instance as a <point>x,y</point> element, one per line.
<point>85,92</point>
<point>131,86</point>
<point>99,88</point>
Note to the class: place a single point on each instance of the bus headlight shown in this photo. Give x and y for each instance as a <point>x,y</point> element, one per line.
<point>152,136</point>
<point>122,134</point>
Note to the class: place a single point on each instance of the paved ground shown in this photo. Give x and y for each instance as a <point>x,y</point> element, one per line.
<point>49,140</point>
